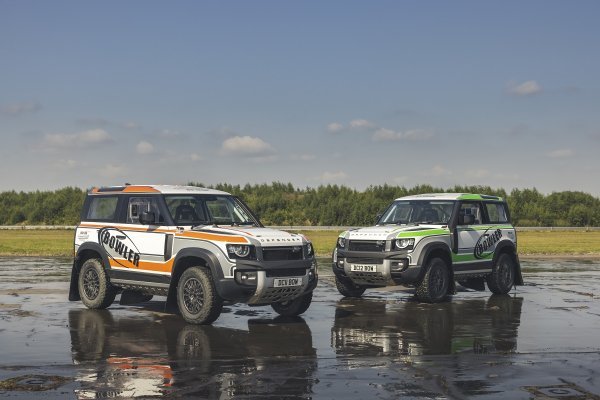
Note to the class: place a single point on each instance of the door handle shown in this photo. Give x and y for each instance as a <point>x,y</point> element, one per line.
<point>121,237</point>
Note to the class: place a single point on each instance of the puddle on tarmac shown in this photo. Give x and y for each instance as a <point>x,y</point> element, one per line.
<point>384,345</point>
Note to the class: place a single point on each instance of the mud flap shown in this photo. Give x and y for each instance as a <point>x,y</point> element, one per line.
<point>73,287</point>
<point>171,303</point>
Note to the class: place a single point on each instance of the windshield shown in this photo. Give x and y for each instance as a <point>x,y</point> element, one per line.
<point>418,212</point>
<point>208,210</point>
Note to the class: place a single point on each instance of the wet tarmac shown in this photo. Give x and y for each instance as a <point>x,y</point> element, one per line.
<point>541,341</point>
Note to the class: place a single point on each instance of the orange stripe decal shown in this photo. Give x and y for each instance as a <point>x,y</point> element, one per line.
<point>213,236</point>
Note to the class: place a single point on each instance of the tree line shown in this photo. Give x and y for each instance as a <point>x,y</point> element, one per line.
<point>283,204</point>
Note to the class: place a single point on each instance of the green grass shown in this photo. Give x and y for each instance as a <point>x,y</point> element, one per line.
<point>36,243</point>
<point>60,242</point>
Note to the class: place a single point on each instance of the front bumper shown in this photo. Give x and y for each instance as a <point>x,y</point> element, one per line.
<point>267,272</point>
<point>391,267</point>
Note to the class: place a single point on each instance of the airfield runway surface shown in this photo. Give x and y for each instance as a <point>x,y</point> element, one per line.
<point>542,341</point>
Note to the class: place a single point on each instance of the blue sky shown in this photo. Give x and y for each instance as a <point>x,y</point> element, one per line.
<point>503,94</point>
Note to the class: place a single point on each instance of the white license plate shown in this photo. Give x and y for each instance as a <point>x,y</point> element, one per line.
<point>363,268</point>
<point>287,282</point>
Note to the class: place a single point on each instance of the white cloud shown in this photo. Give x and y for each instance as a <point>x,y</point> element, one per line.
<point>195,157</point>
<point>526,88</point>
<point>144,147</point>
<point>384,135</point>
<point>561,153</point>
<point>327,176</point>
<point>362,124</point>
<point>437,171</point>
<point>246,146</point>
<point>72,140</point>
<point>303,157</point>
<point>335,127</point>
<point>112,171</point>
<point>20,108</point>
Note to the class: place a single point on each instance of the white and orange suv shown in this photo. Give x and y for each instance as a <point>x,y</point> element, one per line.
<point>199,247</point>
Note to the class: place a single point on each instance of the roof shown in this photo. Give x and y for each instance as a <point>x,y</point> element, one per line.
<point>165,189</point>
<point>450,196</point>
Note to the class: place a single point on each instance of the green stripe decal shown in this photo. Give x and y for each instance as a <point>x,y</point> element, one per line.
<point>428,232</point>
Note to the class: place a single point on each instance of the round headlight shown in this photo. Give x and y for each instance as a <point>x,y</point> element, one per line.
<point>341,242</point>
<point>405,243</point>
<point>240,250</point>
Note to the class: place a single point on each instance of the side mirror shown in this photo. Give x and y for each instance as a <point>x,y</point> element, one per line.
<point>468,219</point>
<point>147,218</point>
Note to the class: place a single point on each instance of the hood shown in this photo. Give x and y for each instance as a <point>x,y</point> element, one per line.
<point>386,232</point>
<point>266,236</point>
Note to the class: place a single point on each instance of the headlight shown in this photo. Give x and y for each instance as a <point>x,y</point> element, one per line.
<point>240,250</point>
<point>309,249</point>
<point>405,244</point>
<point>341,242</point>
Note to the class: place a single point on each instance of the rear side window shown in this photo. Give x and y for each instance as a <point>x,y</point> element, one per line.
<point>496,212</point>
<point>102,208</point>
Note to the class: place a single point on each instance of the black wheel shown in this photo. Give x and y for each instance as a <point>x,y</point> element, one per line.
<point>502,278</point>
<point>434,286</point>
<point>293,308</point>
<point>348,288</point>
<point>94,288</point>
<point>197,298</point>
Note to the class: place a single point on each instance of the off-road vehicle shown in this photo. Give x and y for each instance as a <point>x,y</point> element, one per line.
<point>199,247</point>
<point>430,241</point>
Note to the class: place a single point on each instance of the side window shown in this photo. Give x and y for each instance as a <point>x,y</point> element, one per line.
<point>102,208</point>
<point>496,212</point>
<point>473,209</point>
<point>137,205</point>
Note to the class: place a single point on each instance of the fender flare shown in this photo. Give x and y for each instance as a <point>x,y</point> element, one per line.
<point>507,246</point>
<point>92,246</point>
<point>426,254</point>
<point>212,262</point>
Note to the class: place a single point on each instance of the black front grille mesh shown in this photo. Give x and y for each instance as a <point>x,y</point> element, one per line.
<point>367,245</point>
<point>282,253</point>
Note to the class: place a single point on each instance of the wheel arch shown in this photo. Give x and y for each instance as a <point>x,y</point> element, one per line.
<point>187,258</point>
<point>84,253</point>
<point>439,250</point>
<point>508,247</point>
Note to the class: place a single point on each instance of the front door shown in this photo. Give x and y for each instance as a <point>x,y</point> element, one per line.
<point>472,256</point>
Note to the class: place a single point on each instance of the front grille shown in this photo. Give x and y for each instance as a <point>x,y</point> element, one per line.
<point>286,272</point>
<point>282,253</point>
<point>276,295</point>
<point>367,245</point>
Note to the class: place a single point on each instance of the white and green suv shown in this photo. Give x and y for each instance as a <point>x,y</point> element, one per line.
<point>430,241</point>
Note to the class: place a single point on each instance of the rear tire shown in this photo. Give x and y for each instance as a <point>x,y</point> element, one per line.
<point>197,298</point>
<point>293,308</point>
<point>502,278</point>
<point>94,288</point>
<point>434,286</point>
<point>348,288</point>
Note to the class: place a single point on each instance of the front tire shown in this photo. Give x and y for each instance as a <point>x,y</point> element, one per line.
<point>502,278</point>
<point>94,288</point>
<point>197,298</point>
<point>293,308</point>
<point>348,288</point>
<point>434,286</point>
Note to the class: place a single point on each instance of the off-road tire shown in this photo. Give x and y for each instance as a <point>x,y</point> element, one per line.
<point>502,278</point>
<point>434,286</point>
<point>293,308</point>
<point>348,288</point>
<point>197,298</point>
<point>94,287</point>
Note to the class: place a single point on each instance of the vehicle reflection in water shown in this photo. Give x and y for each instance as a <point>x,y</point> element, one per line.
<point>365,327</point>
<point>124,357</point>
